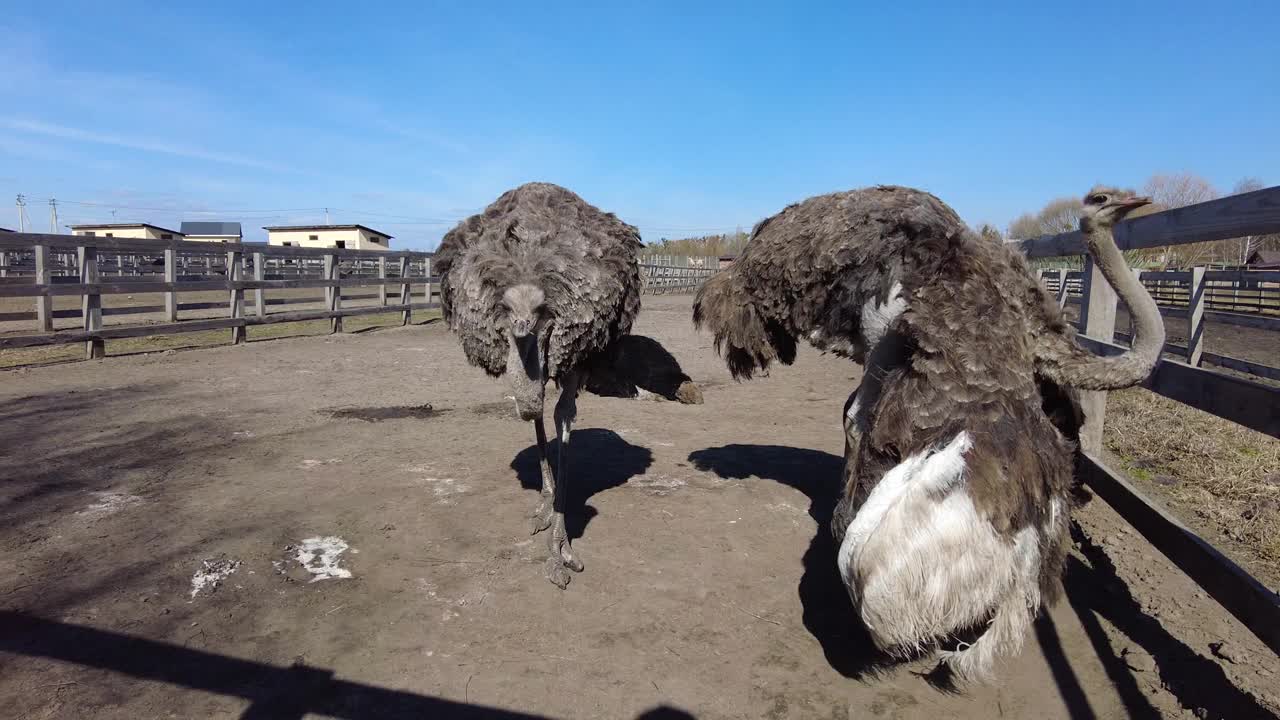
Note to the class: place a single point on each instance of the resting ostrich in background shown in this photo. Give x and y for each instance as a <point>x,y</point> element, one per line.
<point>536,287</point>
<point>953,519</point>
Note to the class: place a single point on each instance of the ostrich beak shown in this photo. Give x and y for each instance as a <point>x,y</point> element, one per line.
<point>1134,202</point>
<point>526,372</point>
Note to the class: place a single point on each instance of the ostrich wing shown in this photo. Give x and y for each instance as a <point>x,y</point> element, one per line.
<point>807,273</point>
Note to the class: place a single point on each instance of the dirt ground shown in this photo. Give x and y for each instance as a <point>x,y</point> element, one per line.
<point>285,529</point>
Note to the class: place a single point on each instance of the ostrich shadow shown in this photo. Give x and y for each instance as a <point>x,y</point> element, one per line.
<point>828,614</point>
<point>599,459</point>
<point>633,363</point>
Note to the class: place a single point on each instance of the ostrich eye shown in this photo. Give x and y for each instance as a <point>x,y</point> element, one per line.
<point>1099,199</point>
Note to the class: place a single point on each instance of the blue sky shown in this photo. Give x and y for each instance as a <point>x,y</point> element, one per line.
<point>683,118</point>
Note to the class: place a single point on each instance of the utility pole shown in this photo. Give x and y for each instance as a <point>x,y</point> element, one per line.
<point>22,213</point>
<point>53,216</point>
<point>326,216</point>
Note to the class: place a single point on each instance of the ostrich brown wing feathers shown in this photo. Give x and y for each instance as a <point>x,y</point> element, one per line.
<point>807,272</point>
<point>583,259</point>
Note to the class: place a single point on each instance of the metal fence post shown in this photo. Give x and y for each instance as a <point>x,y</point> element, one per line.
<point>44,276</point>
<point>235,273</point>
<point>90,301</point>
<point>1195,317</point>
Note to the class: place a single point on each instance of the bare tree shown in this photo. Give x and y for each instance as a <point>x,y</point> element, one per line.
<point>1241,248</point>
<point>990,232</point>
<point>1175,190</point>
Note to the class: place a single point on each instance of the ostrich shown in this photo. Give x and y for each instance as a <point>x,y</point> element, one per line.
<point>537,286</point>
<point>953,518</point>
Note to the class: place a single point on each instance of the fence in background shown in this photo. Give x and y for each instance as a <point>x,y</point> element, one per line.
<point>1198,295</point>
<point>43,267</point>
<point>662,274</point>
<point>1248,403</point>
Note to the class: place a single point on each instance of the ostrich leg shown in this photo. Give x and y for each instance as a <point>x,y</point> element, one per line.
<point>542,514</point>
<point>561,557</point>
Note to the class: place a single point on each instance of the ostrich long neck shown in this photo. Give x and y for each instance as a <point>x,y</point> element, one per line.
<point>1077,368</point>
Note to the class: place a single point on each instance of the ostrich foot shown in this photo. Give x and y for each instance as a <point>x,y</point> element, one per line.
<point>542,515</point>
<point>562,557</point>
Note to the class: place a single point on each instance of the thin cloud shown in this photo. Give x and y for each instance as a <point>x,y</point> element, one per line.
<point>163,148</point>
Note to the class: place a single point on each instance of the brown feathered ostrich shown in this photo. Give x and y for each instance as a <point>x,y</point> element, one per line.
<point>537,287</point>
<point>953,523</point>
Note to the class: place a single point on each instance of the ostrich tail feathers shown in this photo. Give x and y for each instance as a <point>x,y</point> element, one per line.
<point>747,342</point>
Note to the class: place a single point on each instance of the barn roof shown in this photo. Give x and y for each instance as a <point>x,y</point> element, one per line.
<point>227,229</point>
<point>86,226</point>
<point>366,228</point>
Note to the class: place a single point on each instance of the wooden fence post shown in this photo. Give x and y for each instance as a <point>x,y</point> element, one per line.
<point>235,273</point>
<point>405,296</point>
<point>91,302</point>
<point>44,276</point>
<point>1195,317</point>
<point>260,274</point>
<point>171,276</point>
<point>4,263</point>
<point>333,293</point>
<point>426,279</point>
<point>1098,321</point>
<point>382,281</point>
<point>1062,287</point>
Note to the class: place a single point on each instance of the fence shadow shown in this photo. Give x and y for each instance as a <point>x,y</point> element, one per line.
<point>279,693</point>
<point>1095,590</point>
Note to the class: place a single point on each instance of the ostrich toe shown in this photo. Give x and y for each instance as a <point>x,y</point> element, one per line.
<point>542,515</point>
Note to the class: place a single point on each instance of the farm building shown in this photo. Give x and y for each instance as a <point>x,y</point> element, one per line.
<point>725,261</point>
<point>1264,260</point>
<point>144,231</point>
<point>351,237</point>
<point>212,231</point>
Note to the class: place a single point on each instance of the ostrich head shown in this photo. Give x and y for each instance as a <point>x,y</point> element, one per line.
<point>1104,207</point>
<point>528,319</point>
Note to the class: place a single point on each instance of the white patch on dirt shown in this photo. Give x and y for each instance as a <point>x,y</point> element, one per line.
<point>311,464</point>
<point>321,556</point>
<point>444,487</point>
<point>242,433</point>
<point>659,484</point>
<point>211,574</point>
<point>109,503</point>
<point>441,487</point>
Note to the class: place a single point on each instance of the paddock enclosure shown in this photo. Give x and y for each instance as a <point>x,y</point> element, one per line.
<point>336,526</point>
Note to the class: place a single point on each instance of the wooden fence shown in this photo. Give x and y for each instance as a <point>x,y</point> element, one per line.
<point>662,274</point>
<point>1245,402</point>
<point>1191,294</point>
<point>43,266</point>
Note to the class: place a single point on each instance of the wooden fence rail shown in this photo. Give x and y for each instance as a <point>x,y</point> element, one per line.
<point>171,267</point>
<point>1253,405</point>
<point>1188,294</point>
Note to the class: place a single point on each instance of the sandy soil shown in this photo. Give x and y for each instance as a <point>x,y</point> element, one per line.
<point>156,509</point>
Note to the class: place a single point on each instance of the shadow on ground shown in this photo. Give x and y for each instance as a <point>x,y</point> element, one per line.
<point>828,613</point>
<point>1095,591</point>
<point>47,475</point>
<point>598,460</point>
<point>635,362</point>
<point>279,693</point>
